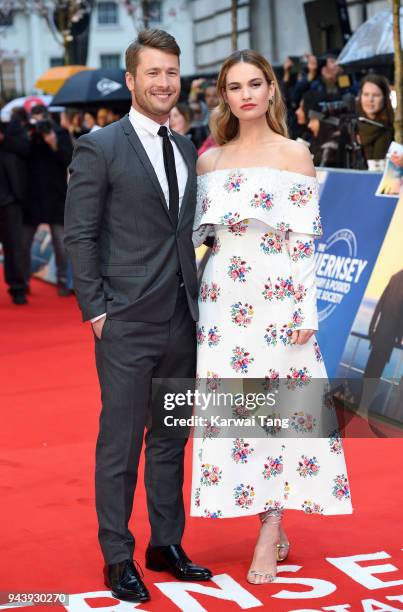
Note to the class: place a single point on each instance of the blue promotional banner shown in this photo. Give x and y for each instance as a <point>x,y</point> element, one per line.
<point>355,222</point>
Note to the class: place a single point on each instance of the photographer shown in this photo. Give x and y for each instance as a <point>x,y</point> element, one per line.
<point>14,151</point>
<point>202,99</point>
<point>50,154</point>
<point>202,90</point>
<point>323,129</point>
<point>375,116</point>
<point>368,132</point>
<point>298,76</point>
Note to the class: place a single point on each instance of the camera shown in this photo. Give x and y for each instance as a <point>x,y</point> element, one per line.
<point>339,123</point>
<point>341,109</point>
<point>44,126</point>
<point>343,115</point>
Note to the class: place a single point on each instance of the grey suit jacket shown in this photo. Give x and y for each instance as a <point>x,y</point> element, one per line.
<point>125,251</point>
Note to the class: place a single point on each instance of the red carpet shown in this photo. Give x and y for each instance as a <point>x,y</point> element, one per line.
<point>50,405</point>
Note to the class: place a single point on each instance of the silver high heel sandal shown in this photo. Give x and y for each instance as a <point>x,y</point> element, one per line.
<point>283,548</point>
<point>273,517</point>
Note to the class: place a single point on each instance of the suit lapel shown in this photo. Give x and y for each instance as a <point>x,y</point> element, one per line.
<point>191,171</point>
<point>135,142</point>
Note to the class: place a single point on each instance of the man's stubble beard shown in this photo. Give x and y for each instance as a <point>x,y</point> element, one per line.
<point>142,103</point>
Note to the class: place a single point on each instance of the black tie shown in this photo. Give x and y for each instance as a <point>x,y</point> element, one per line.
<point>170,169</point>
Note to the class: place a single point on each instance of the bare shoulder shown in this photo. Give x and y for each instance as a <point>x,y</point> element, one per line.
<point>207,160</point>
<point>298,157</point>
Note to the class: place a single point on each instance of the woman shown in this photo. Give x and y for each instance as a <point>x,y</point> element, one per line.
<point>71,120</point>
<point>258,313</point>
<point>90,122</point>
<point>199,129</point>
<point>374,105</point>
<point>180,118</point>
<point>300,120</point>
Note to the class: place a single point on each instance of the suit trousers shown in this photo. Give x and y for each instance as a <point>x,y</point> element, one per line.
<point>378,358</point>
<point>128,356</point>
<point>11,236</point>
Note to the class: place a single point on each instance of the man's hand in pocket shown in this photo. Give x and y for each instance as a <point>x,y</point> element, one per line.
<point>97,327</point>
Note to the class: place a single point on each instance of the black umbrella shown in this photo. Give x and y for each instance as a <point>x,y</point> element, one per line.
<point>103,87</point>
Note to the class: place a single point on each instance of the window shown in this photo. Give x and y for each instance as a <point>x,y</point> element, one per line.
<point>154,12</point>
<point>13,71</point>
<point>56,61</point>
<point>110,60</point>
<point>107,13</point>
<point>6,18</point>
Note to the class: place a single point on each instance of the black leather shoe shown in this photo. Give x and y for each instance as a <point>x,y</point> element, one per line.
<point>64,291</point>
<point>125,582</point>
<point>19,299</point>
<point>173,559</point>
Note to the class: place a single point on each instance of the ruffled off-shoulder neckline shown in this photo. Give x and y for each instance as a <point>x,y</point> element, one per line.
<point>285,200</point>
<point>266,168</point>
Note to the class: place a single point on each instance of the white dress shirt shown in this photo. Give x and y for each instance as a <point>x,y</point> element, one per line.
<point>147,130</point>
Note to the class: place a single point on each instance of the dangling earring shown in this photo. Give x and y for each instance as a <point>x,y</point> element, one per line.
<point>270,101</point>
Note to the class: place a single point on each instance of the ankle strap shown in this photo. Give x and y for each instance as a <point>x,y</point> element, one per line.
<point>274,516</point>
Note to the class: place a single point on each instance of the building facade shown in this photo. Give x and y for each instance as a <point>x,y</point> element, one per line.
<point>28,47</point>
<point>277,28</point>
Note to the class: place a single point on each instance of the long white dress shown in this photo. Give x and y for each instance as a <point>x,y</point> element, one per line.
<point>258,286</point>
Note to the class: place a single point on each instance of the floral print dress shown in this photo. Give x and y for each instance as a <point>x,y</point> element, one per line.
<point>257,288</point>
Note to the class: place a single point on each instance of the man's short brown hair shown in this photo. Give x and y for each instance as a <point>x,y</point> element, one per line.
<point>153,39</point>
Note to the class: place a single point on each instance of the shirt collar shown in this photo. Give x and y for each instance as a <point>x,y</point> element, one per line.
<point>146,123</point>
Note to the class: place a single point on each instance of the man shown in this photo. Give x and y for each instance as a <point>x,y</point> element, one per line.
<point>386,326</point>
<point>129,215</point>
<point>51,151</point>
<point>102,117</point>
<point>71,120</point>
<point>114,114</point>
<point>14,150</point>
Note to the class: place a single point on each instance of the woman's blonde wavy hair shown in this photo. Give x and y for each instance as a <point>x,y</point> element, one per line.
<point>223,124</point>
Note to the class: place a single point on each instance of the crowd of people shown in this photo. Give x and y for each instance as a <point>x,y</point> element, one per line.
<point>36,148</point>
<point>344,123</point>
